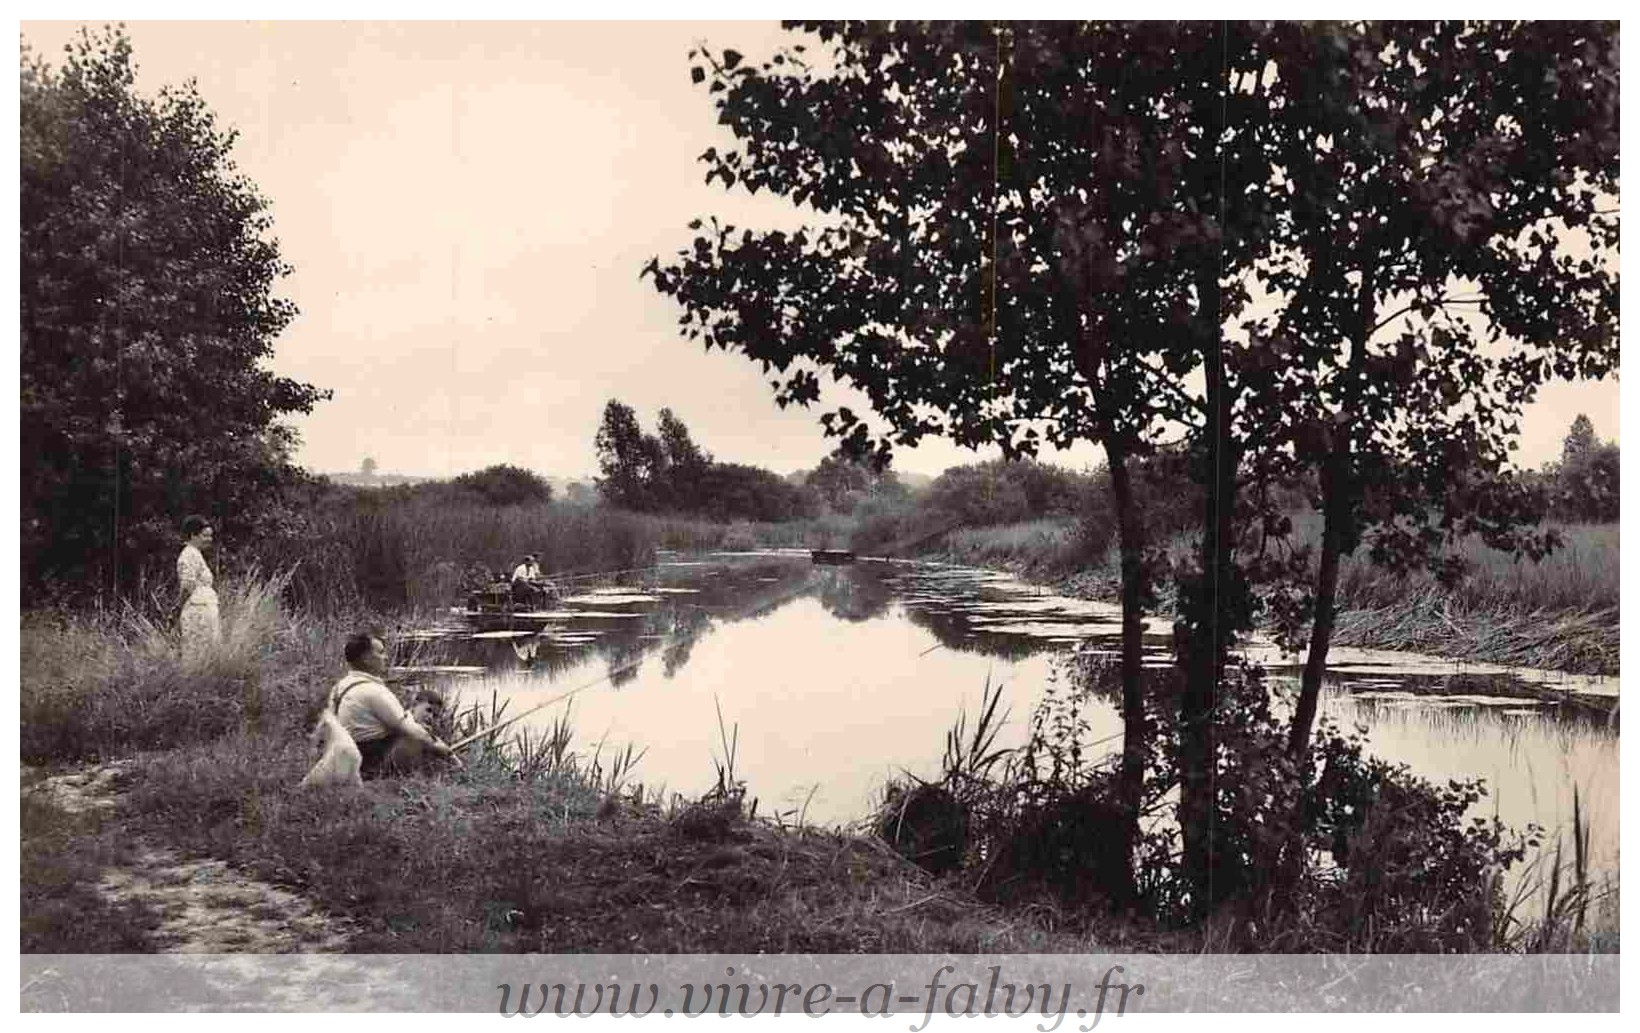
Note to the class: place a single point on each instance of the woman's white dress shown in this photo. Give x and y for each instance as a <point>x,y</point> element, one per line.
<point>201,622</point>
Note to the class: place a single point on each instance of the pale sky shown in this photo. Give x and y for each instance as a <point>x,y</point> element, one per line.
<point>467,206</point>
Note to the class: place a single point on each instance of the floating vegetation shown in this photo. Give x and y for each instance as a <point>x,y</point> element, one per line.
<point>611,599</point>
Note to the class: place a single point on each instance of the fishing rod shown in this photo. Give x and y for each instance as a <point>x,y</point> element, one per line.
<point>611,673</point>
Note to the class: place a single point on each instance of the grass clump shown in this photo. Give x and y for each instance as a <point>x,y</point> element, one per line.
<point>102,685</point>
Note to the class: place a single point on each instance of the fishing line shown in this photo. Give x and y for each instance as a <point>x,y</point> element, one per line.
<point>624,667</point>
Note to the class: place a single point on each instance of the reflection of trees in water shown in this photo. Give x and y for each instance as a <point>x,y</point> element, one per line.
<point>856,592</point>
<point>758,591</point>
<point>622,648</point>
<point>689,623</point>
<point>954,632</point>
<point>739,592</point>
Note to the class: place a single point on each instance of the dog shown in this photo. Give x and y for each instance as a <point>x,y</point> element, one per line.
<point>339,758</point>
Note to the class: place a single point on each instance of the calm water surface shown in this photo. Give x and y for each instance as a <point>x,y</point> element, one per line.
<point>837,678</point>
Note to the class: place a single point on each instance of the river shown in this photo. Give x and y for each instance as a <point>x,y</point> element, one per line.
<point>830,680</point>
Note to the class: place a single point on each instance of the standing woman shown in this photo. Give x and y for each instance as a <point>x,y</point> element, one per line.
<point>201,623</point>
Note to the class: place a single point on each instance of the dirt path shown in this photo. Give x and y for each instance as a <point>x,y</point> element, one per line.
<point>206,907</point>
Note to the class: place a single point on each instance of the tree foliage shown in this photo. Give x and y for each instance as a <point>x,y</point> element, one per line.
<point>667,472</point>
<point>842,484</point>
<point>505,485</point>
<point>1004,491</point>
<point>1584,485</point>
<point>1047,232</point>
<point>1441,255</point>
<point>628,459</point>
<point>147,314</point>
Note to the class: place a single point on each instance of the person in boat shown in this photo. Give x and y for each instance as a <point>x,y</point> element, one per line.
<point>199,618</point>
<point>389,738</point>
<point>527,584</point>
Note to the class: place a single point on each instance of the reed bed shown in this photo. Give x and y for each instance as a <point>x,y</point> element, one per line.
<point>392,553</point>
<point>1559,613</point>
<point>1583,575</point>
<point>688,534</point>
<point>1047,547</point>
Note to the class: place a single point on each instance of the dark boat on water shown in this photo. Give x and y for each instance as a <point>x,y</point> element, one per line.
<point>831,556</point>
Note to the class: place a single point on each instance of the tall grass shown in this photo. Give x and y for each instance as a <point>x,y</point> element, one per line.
<point>1561,612</point>
<point>690,534</point>
<point>1570,912</point>
<point>390,553</point>
<point>394,553</point>
<point>1583,575</point>
<point>109,684</point>
<point>1047,547</point>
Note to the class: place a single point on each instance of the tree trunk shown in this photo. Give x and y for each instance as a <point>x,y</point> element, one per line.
<point>1334,509</point>
<point>1338,534</point>
<point>1208,629</point>
<point>1135,729</point>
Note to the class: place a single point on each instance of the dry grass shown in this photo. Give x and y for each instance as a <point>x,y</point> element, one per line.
<point>1560,613</point>
<point>1048,547</point>
<point>108,685</point>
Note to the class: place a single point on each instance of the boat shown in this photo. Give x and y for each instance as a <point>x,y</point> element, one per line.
<point>831,556</point>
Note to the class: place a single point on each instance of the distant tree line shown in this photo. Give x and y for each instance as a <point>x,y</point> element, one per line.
<point>1583,486</point>
<point>667,472</point>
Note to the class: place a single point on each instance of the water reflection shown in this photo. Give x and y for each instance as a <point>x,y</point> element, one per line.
<point>840,676</point>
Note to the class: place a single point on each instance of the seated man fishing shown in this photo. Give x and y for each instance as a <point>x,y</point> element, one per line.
<point>390,739</point>
<point>527,584</point>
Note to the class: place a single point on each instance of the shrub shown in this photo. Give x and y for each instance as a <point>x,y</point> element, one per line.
<point>1345,854</point>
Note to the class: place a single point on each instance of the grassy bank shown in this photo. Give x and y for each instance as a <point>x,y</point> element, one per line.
<point>216,753</point>
<point>1560,613</point>
<point>592,860</point>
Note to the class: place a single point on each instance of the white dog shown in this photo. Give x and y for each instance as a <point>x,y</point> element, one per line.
<point>339,758</point>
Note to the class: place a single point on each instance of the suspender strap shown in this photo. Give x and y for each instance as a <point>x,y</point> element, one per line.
<point>336,704</point>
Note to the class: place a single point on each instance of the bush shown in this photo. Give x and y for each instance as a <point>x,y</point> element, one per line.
<point>1348,854</point>
<point>505,485</point>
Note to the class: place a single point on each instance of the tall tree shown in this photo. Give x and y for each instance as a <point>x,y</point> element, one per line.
<point>1579,439</point>
<point>628,458</point>
<point>686,464</point>
<point>1587,478</point>
<point>1025,242</point>
<point>147,314</point>
<point>1442,255</point>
